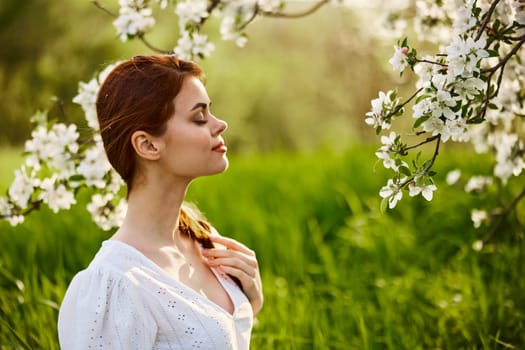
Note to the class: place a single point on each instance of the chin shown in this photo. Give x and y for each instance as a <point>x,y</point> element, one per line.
<point>219,168</point>
<point>225,165</point>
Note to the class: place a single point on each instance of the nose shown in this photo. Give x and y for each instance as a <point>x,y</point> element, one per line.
<point>221,126</point>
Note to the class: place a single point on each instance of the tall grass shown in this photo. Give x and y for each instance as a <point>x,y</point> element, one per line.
<point>337,274</point>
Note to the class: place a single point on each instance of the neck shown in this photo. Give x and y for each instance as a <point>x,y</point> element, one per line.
<point>152,218</point>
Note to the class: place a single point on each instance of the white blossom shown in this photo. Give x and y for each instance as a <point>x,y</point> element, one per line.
<point>425,71</point>
<point>431,20</point>
<point>229,31</point>
<point>22,188</point>
<point>385,151</point>
<point>478,217</point>
<point>421,108</point>
<point>191,11</point>
<point>435,126</point>
<point>469,88</point>
<point>162,3</point>
<point>381,107</point>
<point>442,105</point>
<point>94,166</point>
<point>464,20</point>
<point>192,46</point>
<point>506,12</point>
<point>479,138</point>
<point>86,98</point>
<point>427,191</point>
<point>134,18</point>
<point>104,213</point>
<point>15,219</point>
<point>388,141</point>
<point>453,176</point>
<point>519,8</point>
<point>399,59</point>
<point>478,183</point>
<point>49,143</point>
<point>393,192</point>
<point>463,56</point>
<point>477,245</point>
<point>457,129</point>
<point>270,5</point>
<point>8,213</point>
<point>508,159</point>
<point>56,195</point>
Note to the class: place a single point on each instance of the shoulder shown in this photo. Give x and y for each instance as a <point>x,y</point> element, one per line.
<point>107,274</point>
<point>103,302</point>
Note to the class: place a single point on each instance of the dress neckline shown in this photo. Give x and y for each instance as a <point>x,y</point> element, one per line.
<point>226,284</point>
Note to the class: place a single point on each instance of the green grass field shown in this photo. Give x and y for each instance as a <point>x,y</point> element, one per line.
<point>337,273</point>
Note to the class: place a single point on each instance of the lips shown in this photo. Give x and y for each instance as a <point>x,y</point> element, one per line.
<point>221,148</point>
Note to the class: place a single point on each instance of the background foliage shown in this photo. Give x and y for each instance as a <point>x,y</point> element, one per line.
<point>301,191</point>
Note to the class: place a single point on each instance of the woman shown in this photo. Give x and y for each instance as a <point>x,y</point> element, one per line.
<point>165,279</point>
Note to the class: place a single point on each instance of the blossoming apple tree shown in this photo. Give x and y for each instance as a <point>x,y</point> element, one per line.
<point>471,89</point>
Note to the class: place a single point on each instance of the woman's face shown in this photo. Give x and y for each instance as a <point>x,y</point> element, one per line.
<point>192,144</point>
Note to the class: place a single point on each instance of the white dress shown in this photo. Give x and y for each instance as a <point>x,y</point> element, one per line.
<point>123,300</point>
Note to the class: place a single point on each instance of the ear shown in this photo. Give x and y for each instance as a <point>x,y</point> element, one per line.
<point>145,145</point>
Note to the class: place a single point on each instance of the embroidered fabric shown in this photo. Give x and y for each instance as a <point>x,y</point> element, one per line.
<point>125,301</point>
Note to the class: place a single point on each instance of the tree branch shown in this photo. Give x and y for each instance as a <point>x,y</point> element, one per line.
<point>490,12</point>
<point>427,140</point>
<point>103,8</point>
<point>34,205</point>
<point>436,152</point>
<point>151,47</point>
<point>502,215</point>
<point>398,108</point>
<point>507,57</point>
<point>431,62</point>
<point>213,4</point>
<point>432,161</point>
<point>311,10</point>
<point>252,17</point>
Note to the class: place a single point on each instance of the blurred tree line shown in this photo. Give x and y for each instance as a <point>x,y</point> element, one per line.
<point>298,84</point>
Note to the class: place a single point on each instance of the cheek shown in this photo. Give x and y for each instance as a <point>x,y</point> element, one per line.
<point>190,144</point>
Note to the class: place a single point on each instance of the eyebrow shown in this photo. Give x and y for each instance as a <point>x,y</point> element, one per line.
<point>199,105</point>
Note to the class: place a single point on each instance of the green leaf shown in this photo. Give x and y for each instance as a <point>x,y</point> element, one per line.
<point>496,25</point>
<point>77,177</point>
<point>405,171</point>
<point>420,121</point>
<point>418,155</point>
<point>426,163</point>
<point>422,97</point>
<point>384,205</point>
<point>400,112</point>
<point>393,95</point>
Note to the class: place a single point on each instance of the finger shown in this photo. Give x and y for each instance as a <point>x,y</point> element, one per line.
<point>234,263</point>
<point>246,280</point>
<point>223,253</point>
<point>231,244</point>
